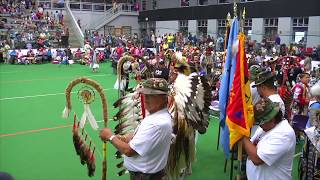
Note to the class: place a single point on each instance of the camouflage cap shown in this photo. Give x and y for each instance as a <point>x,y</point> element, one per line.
<point>263,77</point>
<point>154,86</point>
<point>265,110</point>
<point>254,71</point>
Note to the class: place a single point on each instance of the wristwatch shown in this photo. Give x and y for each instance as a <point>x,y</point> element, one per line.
<point>111,138</point>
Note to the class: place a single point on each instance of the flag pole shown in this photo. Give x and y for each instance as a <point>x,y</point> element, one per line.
<point>239,175</point>
<point>232,154</point>
<point>228,25</point>
<point>225,46</point>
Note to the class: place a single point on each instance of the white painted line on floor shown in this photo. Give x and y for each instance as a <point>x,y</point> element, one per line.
<point>54,78</point>
<point>41,95</point>
<point>8,72</point>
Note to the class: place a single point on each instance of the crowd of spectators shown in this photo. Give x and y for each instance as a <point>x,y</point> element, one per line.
<point>24,25</point>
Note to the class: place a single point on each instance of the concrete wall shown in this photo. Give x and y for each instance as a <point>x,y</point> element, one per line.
<point>163,27</point>
<point>212,28</point>
<point>193,2</point>
<point>285,29</point>
<point>192,27</point>
<point>88,19</point>
<point>164,4</point>
<point>313,38</point>
<point>123,20</point>
<point>213,2</point>
<point>149,4</point>
<point>257,29</point>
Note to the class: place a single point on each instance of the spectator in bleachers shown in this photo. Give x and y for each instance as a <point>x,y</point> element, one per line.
<point>13,56</point>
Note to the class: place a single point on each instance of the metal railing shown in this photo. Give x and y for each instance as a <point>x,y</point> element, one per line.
<point>121,7</point>
<point>107,9</point>
<point>88,6</point>
<point>48,4</point>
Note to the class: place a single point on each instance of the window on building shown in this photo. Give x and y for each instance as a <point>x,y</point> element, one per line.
<point>203,2</point>
<point>300,29</point>
<point>222,23</point>
<point>271,22</point>
<point>223,1</point>
<point>183,27</point>
<point>154,4</point>
<point>184,3</point>
<point>143,28</point>
<point>300,22</point>
<point>202,23</point>
<point>144,5</point>
<point>270,28</point>
<point>202,27</point>
<point>47,5</point>
<point>152,26</point>
<point>247,27</point>
<point>248,23</point>
<point>58,5</point>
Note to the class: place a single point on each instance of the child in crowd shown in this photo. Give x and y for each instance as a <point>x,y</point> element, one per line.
<point>95,61</point>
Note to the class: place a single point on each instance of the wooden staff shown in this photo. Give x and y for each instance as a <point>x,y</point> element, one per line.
<point>239,159</point>
<point>120,72</point>
<point>240,142</point>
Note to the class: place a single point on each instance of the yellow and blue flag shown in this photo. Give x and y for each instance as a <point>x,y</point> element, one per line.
<point>240,108</point>
<point>226,84</point>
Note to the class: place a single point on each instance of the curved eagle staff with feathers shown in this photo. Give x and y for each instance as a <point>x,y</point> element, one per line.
<point>124,64</point>
<point>87,95</point>
<point>131,110</point>
<point>146,69</point>
<point>121,68</point>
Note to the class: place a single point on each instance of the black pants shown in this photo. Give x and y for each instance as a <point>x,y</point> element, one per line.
<point>145,176</point>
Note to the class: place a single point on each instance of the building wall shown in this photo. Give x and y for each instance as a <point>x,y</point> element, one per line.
<point>212,2</point>
<point>149,4</point>
<point>192,27</point>
<point>123,20</point>
<point>257,29</point>
<point>88,19</point>
<point>212,27</point>
<point>164,4</point>
<point>163,27</point>
<point>285,29</point>
<point>193,3</point>
<point>256,9</point>
<point>313,38</point>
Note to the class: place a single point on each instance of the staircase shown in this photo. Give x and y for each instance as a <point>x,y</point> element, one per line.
<point>76,37</point>
<point>110,16</point>
<point>74,40</point>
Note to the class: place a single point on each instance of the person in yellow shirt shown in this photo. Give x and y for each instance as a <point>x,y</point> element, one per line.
<point>165,45</point>
<point>170,41</point>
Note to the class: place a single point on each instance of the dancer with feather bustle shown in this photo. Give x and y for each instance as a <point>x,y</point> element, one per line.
<point>146,151</point>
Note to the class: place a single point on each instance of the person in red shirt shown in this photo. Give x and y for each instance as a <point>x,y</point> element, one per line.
<point>301,95</point>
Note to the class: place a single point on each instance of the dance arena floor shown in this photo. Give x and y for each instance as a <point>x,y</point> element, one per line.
<point>36,143</point>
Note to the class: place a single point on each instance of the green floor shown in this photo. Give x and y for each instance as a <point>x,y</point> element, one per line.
<point>36,143</point>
